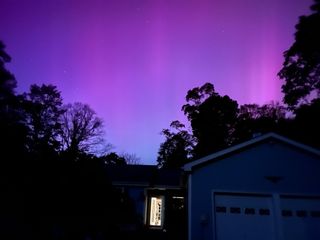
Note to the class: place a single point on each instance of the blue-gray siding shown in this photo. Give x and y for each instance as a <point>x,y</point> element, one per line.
<point>245,171</point>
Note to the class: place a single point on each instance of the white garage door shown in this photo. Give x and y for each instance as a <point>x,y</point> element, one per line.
<point>300,217</point>
<point>249,216</point>
<point>243,216</point>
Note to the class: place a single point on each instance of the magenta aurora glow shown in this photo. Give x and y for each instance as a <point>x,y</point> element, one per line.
<point>133,61</point>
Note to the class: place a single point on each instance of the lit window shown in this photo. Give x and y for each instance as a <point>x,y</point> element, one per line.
<point>156,206</point>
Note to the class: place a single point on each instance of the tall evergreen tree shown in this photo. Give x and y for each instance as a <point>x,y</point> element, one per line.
<point>7,80</point>
<point>12,128</point>
<point>43,106</point>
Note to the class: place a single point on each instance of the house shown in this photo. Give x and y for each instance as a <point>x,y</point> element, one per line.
<point>265,188</point>
<point>157,194</point>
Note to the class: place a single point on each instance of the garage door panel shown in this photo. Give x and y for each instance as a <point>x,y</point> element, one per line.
<point>249,216</point>
<point>243,217</point>
<point>300,217</point>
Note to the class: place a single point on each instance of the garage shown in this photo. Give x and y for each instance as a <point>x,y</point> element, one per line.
<point>255,216</point>
<point>243,216</point>
<point>266,188</point>
<point>300,217</point>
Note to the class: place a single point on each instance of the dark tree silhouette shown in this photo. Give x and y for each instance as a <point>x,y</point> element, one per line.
<point>12,127</point>
<point>177,148</point>
<point>45,194</point>
<point>82,129</point>
<point>113,159</point>
<point>212,118</point>
<point>7,80</point>
<point>301,68</point>
<point>13,151</point>
<point>217,122</point>
<point>44,110</point>
<point>306,127</point>
<point>130,158</point>
<point>253,120</point>
<point>88,204</point>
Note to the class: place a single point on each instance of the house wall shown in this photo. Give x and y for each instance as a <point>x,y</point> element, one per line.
<point>137,195</point>
<point>245,172</point>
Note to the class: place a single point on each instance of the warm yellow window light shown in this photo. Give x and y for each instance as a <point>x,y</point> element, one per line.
<point>156,205</point>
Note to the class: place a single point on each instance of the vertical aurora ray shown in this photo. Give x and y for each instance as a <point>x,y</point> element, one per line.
<point>264,85</point>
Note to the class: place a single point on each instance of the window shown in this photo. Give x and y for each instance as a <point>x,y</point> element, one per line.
<point>315,213</point>
<point>177,203</point>
<point>235,210</point>
<point>286,213</point>
<point>264,211</point>
<point>221,209</point>
<point>249,211</point>
<point>301,213</point>
<point>156,211</point>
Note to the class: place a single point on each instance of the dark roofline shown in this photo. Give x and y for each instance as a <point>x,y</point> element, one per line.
<point>144,176</point>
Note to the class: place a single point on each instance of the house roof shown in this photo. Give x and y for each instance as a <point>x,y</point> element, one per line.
<point>144,175</point>
<point>241,146</point>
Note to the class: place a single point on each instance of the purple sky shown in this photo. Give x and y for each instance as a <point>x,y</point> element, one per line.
<point>133,61</point>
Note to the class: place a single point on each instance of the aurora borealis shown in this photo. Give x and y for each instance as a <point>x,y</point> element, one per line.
<point>133,61</point>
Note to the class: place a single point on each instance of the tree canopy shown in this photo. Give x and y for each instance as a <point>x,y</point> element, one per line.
<point>13,132</point>
<point>253,119</point>
<point>177,148</point>
<point>216,122</point>
<point>7,80</point>
<point>212,118</point>
<point>51,180</point>
<point>43,106</point>
<point>301,67</point>
<point>82,129</point>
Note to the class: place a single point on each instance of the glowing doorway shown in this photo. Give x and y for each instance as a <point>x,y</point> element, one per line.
<point>156,211</point>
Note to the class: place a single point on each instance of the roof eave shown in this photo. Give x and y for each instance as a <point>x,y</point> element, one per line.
<point>189,166</point>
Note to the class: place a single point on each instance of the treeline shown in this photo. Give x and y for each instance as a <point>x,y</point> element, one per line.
<point>53,181</point>
<point>217,122</point>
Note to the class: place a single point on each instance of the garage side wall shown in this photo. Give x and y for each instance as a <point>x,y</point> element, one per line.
<point>265,168</point>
